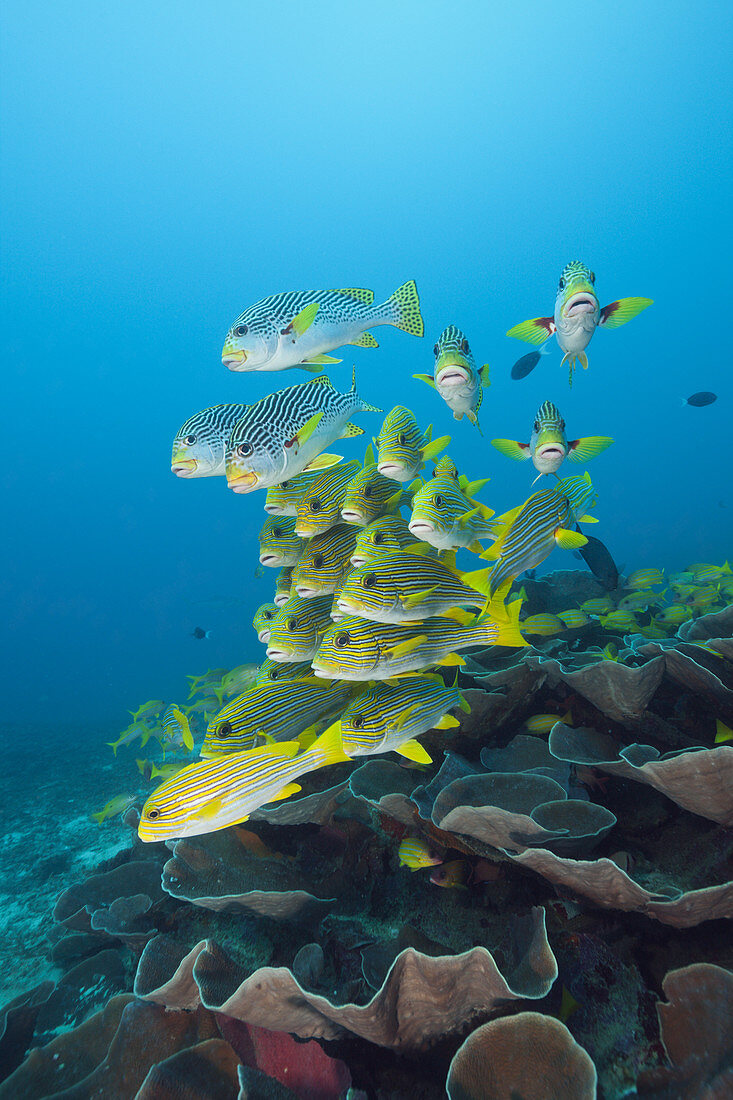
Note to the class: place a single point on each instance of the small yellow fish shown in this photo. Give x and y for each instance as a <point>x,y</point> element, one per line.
<point>644,578</point>
<point>543,723</point>
<point>116,805</point>
<point>452,875</point>
<point>414,852</point>
<point>722,733</point>
<point>544,625</point>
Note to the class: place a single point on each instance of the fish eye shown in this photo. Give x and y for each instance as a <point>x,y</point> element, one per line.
<point>315,505</point>
<point>224,729</point>
<point>190,440</point>
<point>370,580</point>
<point>367,490</point>
<point>244,450</point>
<point>464,345</point>
<point>536,425</point>
<point>402,439</point>
<point>436,349</point>
<point>593,277</point>
<point>342,640</point>
<point>438,500</point>
<point>152,814</point>
<point>267,615</point>
<point>292,624</point>
<point>241,330</point>
<point>283,484</point>
<point>357,721</point>
<point>277,532</point>
<point>378,538</point>
<point>317,561</point>
<point>561,285</point>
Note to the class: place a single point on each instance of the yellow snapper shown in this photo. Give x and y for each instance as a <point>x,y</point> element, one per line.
<point>214,794</point>
<point>200,446</point>
<point>619,620</point>
<point>402,587</point>
<point>574,619</point>
<point>279,544</point>
<point>283,434</point>
<point>324,563</point>
<point>415,852</point>
<point>319,508</point>
<point>263,617</point>
<point>444,513</point>
<point>356,649</point>
<point>283,499</point>
<point>279,710</point>
<point>388,717</point>
<point>526,535</point>
<point>577,315</point>
<point>116,805</point>
<point>674,615</point>
<point>452,875</point>
<point>297,328</point>
<point>543,723</point>
<point>455,376</point>
<point>402,449</point>
<point>295,632</point>
<point>548,446</point>
<point>239,678</point>
<point>644,578</point>
<point>270,671</point>
<point>544,624</point>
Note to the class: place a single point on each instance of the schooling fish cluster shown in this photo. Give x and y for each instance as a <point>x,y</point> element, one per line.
<point>369,602</point>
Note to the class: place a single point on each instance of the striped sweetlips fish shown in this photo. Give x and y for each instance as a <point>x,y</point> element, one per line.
<point>269,671</point>
<point>402,449</point>
<point>548,446</point>
<point>577,315</point>
<point>319,508</point>
<point>402,587</point>
<point>388,717</point>
<point>283,499</point>
<point>200,446</point>
<point>298,327</point>
<point>280,710</point>
<point>455,376</point>
<point>283,586</point>
<point>263,617</point>
<point>369,495</point>
<point>444,513</point>
<point>383,535</point>
<point>325,562</point>
<point>284,433</point>
<point>357,649</point>
<point>296,632</point>
<point>213,794</point>
<point>279,544</point>
<point>526,535</point>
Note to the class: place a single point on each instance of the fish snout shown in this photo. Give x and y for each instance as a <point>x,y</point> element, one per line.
<point>394,471</point>
<point>184,467</point>
<point>264,635</point>
<point>276,654</point>
<point>234,359</point>
<point>420,527</point>
<point>271,560</point>
<point>583,302</point>
<point>352,515</point>
<point>242,482</point>
<point>305,592</point>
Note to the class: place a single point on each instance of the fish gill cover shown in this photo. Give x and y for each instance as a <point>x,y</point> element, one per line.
<point>421,726</point>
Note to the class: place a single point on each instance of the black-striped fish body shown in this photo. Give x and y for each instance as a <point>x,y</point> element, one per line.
<point>295,632</point>
<point>279,544</point>
<point>285,432</point>
<point>397,588</point>
<point>357,649</point>
<point>319,508</point>
<point>281,710</point>
<point>325,562</point>
<point>455,376</point>
<point>548,446</point>
<point>297,328</point>
<point>200,446</point>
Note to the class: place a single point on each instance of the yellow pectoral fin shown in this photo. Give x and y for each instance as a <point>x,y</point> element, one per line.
<point>619,312</point>
<point>484,375</point>
<point>408,602</point>
<point>425,378</point>
<point>465,519</point>
<point>583,450</point>
<point>588,519</point>
<point>369,455</point>
<point>569,540</point>
<point>478,580</point>
<point>401,649</point>
<point>303,434</point>
<point>475,547</point>
<point>303,320</point>
<point>412,750</point>
<point>322,462</point>
<point>534,331</point>
<point>434,448</point>
<point>320,359</point>
<point>210,809</point>
<point>510,448</point>
<point>447,722</point>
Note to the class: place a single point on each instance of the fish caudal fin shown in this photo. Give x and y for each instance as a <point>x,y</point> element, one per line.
<point>404,305</point>
<point>618,313</point>
<point>506,619</point>
<point>535,331</point>
<point>583,450</point>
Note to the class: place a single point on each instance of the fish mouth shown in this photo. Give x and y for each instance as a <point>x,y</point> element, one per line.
<point>280,601</point>
<point>356,561</point>
<point>304,532</point>
<point>580,303</point>
<point>347,608</point>
<point>184,467</point>
<point>451,375</point>
<point>305,592</point>
<point>242,483</point>
<point>417,526</point>
<point>276,654</point>
<point>350,515</point>
<point>549,450</point>
<point>274,510</point>
<point>323,673</point>
<point>264,635</point>
<point>234,360</point>
<point>269,559</point>
<point>387,469</point>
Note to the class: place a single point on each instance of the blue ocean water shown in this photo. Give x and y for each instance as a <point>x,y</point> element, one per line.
<point>164,166</point>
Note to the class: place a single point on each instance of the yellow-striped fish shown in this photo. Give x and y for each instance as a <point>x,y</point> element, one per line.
<point>388,533</point>
<point>444,513</point>
<point>325,562</point>
<point>283,499</point>
<point>279,544</point>
<point>415,852</point>
<point>369,495</point>
<point>543,624</point>
<point>214,794</point>
<point>319,508</point>
<point>263,617</point>
<point>402,449</point>
<point>296,631</point>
